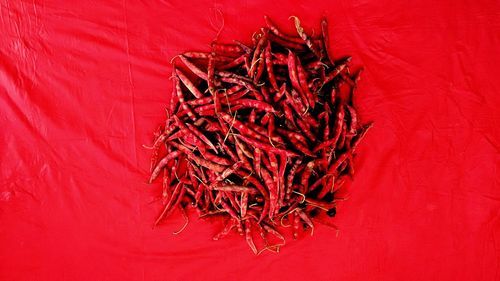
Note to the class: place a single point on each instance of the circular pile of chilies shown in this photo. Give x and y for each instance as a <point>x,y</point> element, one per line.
<point>260,136</point>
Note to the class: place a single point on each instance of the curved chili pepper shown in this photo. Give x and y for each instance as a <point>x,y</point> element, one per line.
<point>198,72</point>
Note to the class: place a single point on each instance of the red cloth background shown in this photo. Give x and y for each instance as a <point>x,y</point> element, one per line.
<point>84,84</point>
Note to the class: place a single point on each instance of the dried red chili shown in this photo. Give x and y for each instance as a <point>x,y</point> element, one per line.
<point>242,148</point>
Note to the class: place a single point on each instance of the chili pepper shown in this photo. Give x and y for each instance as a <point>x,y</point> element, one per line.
<point>280,34</point>
<point>332,170</point>
<point>275,139</point>
<point>246,64</point>
<point>262,190</point>
<point>260,66</point>
<point>273,191</point>
<point>280,93</point>
<point>174,101</point>
<point>191,66</point>
<point>295,101</point>
<point>328,184</point>
<point>240,126</point>
<point>233,203</point>
<point>360,136</point>
<point>156,150</point>
<point>235,188</point>
<point>322,204</point>
<point>256,55</point>
<point>296,223</point>
<point>353,119</point>
<point>337,131</point>
<point>265,94</point>
<point>304,85</point>
<point>305,129</point>
<point>290,177</point>
<point>304,180</point>
<point>224,148</point>
<point>257,155</point>
<point>273,166</point>
<point>227,172</point>
<point>186,131</point>
<point>268,147</point>
<point>259,105</point>
<point>205,56</point>
<point>182,101</point>
<point>289,115</point>
<point>176,196</point>
<point>248,235</point>
<point>244,47</point>
<point>265,160</point>
<point>265,119</point>
<point>337,70</point>
<point>230,210</point>
<point>202,137</point>
<point>325,37</point>
<point>211,81</point>
<point>341,141</point>
<point>306,219</point>
<point>306,38</point>
<point>244,204</point>
<point>162,164</point>
<point>216,159</point>
<point>226,48</point>
<point>326,130</point>
<point>292,135</point>
<point>281,179</point>
<point>316,184</point>
<point>301,147</point>
<point>238,61</point>
<point>239,81</point>
<point>227,229</point>
<point>269,67</point>
<point>285,43</point>
<point>294,77</point>
<point>253,116</point>
<point>243,148</point>
<point>200,161</point>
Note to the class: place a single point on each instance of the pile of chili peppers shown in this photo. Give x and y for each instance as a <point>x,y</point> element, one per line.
<point>259,135</point>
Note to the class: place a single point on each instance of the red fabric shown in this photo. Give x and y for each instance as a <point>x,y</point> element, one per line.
<point>84,84</point>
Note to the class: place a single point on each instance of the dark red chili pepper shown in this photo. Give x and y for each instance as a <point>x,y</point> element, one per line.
<point>285,43</point>
<point>197,71</point>
<point>325,39</point>
<point>162,164</point>
<point>182,101</point>
<point>226,48</point>
<point>268,147</point>
<point>280,34</point>
<point>269,67</point>
<point>336,71</point>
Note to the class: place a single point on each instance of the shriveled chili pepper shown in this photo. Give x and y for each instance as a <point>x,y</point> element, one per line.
<point>310,44</point>
<point>286,43</point>
<point>191,66</point>
<point>272,27</point>
<point>163,162</point>
<point>236,188</point>
<point>182,101</point>
<point>226,48</point>
<point>269,67</point>
<point>268,147</point>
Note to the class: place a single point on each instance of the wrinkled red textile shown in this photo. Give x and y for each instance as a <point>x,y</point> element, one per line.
<point>83,85</point>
